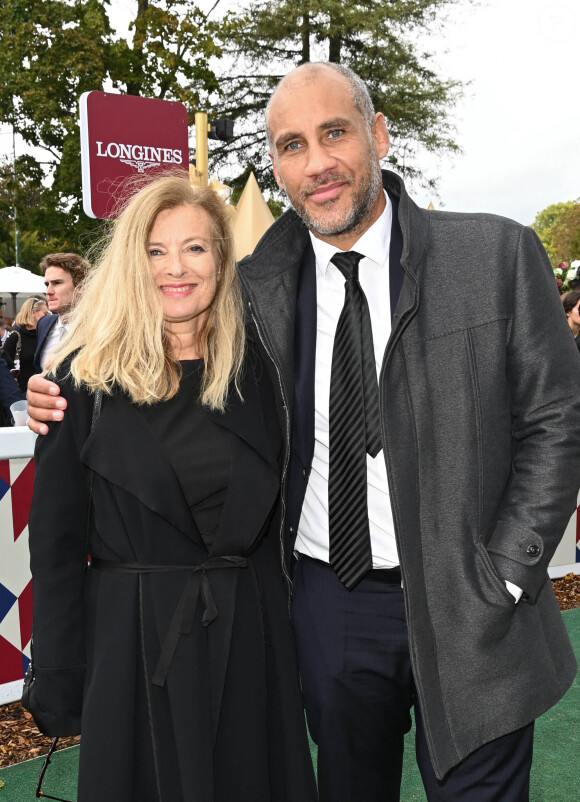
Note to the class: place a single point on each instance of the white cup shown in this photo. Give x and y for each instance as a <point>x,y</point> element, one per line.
<point>19,410</point>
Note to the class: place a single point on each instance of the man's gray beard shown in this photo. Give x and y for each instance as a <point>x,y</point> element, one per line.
<point>363,202</point>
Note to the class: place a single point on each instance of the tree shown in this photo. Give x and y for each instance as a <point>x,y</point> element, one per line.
<point>22,202</point>
<point>51,51</point>
<point>558,227</point>
<point>567,236</point>
<point>376,38</point>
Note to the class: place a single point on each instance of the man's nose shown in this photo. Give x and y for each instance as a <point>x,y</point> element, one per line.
<point>320,159</point>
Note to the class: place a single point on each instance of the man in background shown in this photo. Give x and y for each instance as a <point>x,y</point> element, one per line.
<point>63,273</point>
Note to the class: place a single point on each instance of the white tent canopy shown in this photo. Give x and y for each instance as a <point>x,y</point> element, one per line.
<point>15,280</point>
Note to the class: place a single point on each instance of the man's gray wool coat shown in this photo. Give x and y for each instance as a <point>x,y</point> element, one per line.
<point>480,400</point>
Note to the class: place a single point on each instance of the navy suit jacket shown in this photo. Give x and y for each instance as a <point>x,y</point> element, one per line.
<point>43,328</point>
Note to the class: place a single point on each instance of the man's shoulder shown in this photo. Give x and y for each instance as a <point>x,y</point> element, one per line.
<point>46,323</point>
<point>484,219</point>
<point>479,230</point>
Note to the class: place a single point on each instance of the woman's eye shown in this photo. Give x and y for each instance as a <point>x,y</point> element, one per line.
<point>154,252</point>
<point>197,248</point>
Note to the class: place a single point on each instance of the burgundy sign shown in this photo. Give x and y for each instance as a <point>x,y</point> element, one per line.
<point>122,136</point>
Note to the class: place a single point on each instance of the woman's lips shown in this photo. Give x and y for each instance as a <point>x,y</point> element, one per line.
<point>176,289</point>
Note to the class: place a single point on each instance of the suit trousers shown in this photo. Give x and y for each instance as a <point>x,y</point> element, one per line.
<point>358,690</point>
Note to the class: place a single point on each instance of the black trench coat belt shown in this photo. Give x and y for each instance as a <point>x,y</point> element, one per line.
<point>182,620</point>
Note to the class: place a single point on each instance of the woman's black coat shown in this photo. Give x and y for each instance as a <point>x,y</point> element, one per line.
<point>229,715</point>
<point>27,351</point>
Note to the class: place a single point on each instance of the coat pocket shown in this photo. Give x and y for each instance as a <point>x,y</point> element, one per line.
<point>54,697</point>
<point>495,582</point>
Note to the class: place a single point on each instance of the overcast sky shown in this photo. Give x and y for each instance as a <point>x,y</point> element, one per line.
<point>518,123</point>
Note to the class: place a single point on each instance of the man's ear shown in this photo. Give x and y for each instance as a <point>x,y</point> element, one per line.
<point>275,171</point>
<point>380,136</point>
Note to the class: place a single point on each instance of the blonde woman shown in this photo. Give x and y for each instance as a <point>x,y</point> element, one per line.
<point>20,346</point>
<point>172,653</point>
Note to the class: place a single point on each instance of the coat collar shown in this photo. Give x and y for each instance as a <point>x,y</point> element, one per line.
<point>123,449</point>
<point>277,256</point>
<point>270,276</point>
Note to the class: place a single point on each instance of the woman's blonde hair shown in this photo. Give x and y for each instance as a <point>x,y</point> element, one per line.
<point>25,317</point>
<point>118,321</point>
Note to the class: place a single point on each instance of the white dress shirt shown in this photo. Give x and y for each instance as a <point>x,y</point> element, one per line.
<point>56,334</point>
<point>313,538</point>
<point>374,245</point>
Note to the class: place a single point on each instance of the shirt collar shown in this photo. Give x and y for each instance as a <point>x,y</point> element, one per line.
<point>373,244</point>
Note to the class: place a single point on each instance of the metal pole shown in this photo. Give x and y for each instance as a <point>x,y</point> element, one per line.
<point>16,229</point>
<point>201,131</point>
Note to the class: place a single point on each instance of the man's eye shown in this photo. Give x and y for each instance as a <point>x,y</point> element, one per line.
<point>335,133</point>
<point>292,146</point>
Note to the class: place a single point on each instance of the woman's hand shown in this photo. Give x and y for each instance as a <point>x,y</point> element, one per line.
<point>44,403</point>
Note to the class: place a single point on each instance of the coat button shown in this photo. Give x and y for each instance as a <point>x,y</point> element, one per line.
<point>304,473</point>
<point>533,551</point>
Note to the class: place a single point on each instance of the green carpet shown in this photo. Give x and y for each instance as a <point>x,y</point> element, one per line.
<point>60,779</point>
<point>555,771</point>
<point>556,767</point>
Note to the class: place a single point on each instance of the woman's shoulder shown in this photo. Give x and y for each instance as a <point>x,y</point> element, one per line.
<point>70,388</point>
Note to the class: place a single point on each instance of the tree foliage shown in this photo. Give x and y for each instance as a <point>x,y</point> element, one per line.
<point>558,227</point>
<point>51,51</point>
<point>376,38</point>
<point>21,189</point>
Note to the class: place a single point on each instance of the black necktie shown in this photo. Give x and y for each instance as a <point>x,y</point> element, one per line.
<point>354,429</point>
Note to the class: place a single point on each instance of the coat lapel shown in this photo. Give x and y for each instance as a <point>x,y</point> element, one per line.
<point>255,448</point>
<point>137,462</point>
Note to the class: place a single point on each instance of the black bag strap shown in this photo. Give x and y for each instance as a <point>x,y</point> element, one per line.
<point>96,412</point>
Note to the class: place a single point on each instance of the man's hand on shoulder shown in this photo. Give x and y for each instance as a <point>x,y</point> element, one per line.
<point>44,403</point>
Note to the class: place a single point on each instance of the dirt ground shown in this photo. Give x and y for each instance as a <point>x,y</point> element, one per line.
<point>20,740</point>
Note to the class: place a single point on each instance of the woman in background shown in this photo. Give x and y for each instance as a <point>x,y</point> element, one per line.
<point>173,653</point>
<point>20,346</point>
